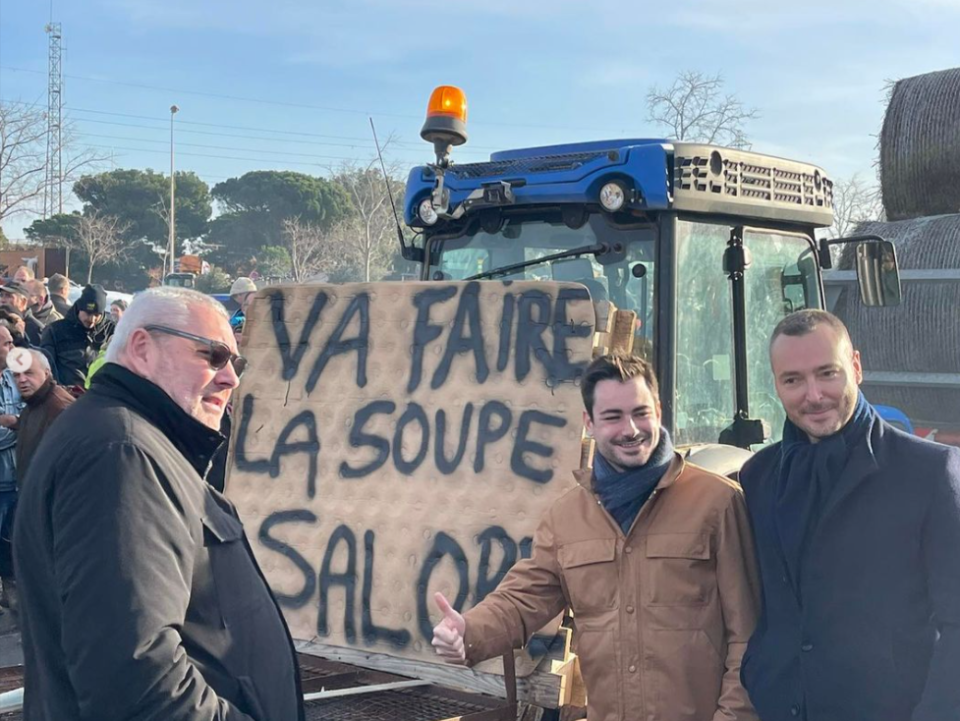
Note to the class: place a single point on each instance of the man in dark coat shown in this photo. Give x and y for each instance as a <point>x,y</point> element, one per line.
<point>45,402</point>
<point>41,308</point>
<point>857,528</point>
<point>59,288</point>
<point>74,342</point>
<point>141,596</point>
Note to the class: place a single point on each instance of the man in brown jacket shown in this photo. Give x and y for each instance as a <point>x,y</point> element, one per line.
<point>45,401</point>
<point>653,556</point>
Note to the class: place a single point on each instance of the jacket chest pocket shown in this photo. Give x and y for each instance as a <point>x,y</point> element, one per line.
<point>590,575</point>
<point>239,589</point>
<point>680,570</point>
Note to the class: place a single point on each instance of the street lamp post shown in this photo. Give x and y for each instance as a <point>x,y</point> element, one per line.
<point>173,217</point>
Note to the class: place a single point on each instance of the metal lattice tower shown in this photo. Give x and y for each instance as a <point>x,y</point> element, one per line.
<point>53,185</point>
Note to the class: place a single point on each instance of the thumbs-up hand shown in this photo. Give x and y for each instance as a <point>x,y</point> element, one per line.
<point>448,634</point>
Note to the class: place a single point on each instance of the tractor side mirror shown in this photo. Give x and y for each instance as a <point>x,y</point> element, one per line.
<point>877,274</point>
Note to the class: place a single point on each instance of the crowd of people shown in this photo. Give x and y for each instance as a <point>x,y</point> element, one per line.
<point>823,586</point>
<point>69,341</point>
<point>60,339</point>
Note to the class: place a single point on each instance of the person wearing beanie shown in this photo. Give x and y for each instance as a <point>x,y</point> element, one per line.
<point>75,342</point>
<point>241,293</point>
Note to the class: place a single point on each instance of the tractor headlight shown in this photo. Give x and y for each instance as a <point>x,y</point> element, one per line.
<point>613,197</point>
<point>428,215</point>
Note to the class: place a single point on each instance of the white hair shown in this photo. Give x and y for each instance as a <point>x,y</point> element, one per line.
<point>40,358</point>
<point>167,305</point>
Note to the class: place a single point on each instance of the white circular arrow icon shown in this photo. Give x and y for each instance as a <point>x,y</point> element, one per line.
<point>19,360</point>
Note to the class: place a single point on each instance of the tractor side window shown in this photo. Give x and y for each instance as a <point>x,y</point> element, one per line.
<point>704,403</point>
<point>781,279</point>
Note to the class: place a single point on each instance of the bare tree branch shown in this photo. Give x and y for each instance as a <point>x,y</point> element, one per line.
<point>854,201</point>
<point>693,109</point>
<point>23,157</point>
<point>101,238</point>
<point>314,251</point>
<point>374,244</point>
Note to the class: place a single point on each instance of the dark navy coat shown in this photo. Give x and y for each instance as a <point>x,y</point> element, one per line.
<point>877,634</point>
<point>141,598</point>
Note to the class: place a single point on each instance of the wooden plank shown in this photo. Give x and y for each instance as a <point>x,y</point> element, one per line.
<point>578,691</point>
<point>622,335</point>
<point>541,688</point>
<point>563,670</point>
<point>606,315</point>
<point>572,689</point>
<point>586,453</point>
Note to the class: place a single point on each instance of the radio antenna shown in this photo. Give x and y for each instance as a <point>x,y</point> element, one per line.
<point>409,252</point>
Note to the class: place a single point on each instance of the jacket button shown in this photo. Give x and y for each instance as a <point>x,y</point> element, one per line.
<point>632,669</point>
<point>629,609</point>
<point>628,549</point>
<point>807,647</point>
<point>795,711</point>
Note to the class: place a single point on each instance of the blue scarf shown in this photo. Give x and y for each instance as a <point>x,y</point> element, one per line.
<point>808,474</point>
<point>623,493</point>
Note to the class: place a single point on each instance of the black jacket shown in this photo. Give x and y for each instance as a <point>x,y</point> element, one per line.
<point>61,304</point>
<point>140,595</point>
<point>73,346</point>
<point>872,633</point>
<point>34,328</point>
<point>217,475</point>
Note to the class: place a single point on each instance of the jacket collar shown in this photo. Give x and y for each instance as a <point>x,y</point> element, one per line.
<point>584,476</point>
<point>859,467</point>
<point>193,439</point>
<point>41,395</point>
<point>43,312</point>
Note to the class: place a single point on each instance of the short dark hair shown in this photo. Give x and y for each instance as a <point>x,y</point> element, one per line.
<point>616,367</point>
<point>57,283</point>
<point>806,321</point>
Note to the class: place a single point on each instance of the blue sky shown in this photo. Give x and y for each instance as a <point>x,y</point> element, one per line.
<point>290,84</point>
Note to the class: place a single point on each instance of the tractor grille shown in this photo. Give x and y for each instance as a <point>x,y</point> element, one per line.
<point>732,175</point>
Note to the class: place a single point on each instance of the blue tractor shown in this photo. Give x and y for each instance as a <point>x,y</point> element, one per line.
<point>710,246</point>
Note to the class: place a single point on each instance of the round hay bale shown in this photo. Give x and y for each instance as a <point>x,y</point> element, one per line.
<point>922,334</point>
<point>920,147</point>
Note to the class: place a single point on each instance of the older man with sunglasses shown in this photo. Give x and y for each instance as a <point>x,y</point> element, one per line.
<point>141,596</point>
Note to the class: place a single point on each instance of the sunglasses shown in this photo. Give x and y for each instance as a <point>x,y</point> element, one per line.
<point>218,354</point>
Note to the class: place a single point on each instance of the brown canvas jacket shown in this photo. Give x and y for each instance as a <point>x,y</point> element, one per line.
<point>41,411</point>
<point>662,614</point>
